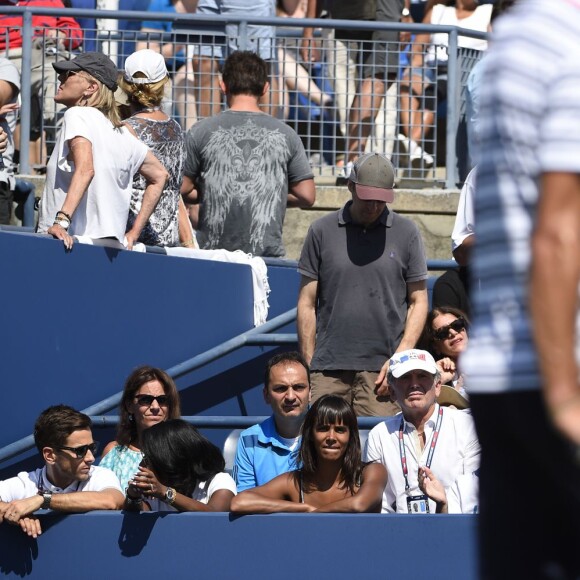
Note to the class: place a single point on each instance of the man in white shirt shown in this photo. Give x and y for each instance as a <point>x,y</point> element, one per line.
<point>68,482</point>
<point>426,435</point>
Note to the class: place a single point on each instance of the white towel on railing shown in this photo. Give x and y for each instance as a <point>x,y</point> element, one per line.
<point>257,265</point>
<point>109,243</point>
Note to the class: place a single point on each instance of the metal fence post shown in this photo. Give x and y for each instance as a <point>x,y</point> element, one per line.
<point>243,35</point>
<point>25,92</point>
<point>452,112</point>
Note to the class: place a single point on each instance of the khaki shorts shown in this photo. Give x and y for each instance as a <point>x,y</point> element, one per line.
<point>357,387</point>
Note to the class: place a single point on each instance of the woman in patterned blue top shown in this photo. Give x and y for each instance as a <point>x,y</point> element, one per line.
<point>150,397</point>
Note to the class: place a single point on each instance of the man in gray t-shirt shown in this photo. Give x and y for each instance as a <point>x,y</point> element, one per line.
<point>245,166</point>
<point>363,293</point>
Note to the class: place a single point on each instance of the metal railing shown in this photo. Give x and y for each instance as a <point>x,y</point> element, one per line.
<point>310,97</point>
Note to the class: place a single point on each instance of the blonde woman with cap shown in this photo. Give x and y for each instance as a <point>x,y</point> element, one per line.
<point>90,172</point>
<point>144,83</point>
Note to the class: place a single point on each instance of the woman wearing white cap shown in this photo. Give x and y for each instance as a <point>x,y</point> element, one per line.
<point>89,174</point>
<point>144,83</point>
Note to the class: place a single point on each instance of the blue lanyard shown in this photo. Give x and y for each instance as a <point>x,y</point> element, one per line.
<point>403,455</point>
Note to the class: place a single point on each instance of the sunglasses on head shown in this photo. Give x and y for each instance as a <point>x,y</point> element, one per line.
<point>147,400</point>
<point>82,450</point>
<point>443,332</point>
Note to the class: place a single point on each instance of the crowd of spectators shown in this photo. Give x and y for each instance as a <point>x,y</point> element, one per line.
<point>127,179</point>
<point>299,460</point>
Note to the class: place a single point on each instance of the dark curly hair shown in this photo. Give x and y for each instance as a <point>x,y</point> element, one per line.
<point>180,456</point>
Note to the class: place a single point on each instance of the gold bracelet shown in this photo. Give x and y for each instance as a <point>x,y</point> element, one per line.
<point>190,244</point>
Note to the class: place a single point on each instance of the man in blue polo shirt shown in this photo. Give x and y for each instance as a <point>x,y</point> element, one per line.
<point>271,448</point>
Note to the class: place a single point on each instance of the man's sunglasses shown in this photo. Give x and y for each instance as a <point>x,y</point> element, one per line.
<point>443,332</point>
<point>147,400</point>
<point>81,450</point>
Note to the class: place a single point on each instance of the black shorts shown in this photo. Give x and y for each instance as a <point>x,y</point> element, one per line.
<point>378,51</point>
<point>529,490</point>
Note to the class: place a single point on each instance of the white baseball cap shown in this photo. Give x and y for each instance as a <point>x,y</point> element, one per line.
<point>410,360</point>
<point>147,62</point>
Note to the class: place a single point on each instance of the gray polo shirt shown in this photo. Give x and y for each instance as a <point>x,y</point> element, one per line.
<point>362,278</point>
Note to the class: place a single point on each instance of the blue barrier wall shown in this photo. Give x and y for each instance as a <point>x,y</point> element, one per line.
<point>75,324</point>
<point>281,546</point>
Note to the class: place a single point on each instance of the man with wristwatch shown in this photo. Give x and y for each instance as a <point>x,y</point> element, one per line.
<point>68,482</point>
<point>426,441</point>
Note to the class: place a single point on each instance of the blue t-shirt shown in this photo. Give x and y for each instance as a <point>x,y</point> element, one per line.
<point>261,456</point>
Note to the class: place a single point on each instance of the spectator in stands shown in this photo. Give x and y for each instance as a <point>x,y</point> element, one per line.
<point>179,65</point>
<point>426,76</point>
<point>181,471</point>
<point>68,482</point>
<point>270,448</point>
<point>53,37</point>
<point>460,498</point>
<point>9,91</point>
<point>452,288</point>
<point>260,39</point>
<point>331,477</point>
<point>245,166</point>
<point>144,81</point>
<point>446,338</point>
<point>363,293</point>
<point>90,173</point>
<point>364,60</point>
<point>149,397</point>
<point>426,435</point>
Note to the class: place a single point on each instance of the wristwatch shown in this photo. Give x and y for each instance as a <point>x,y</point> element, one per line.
<point>64,224</point>
<point>405,12</point>
<point>47,497</point>
<point>170,494</point>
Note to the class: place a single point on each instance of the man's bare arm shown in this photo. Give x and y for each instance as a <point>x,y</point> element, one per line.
<point>302,193</point>
<point>416,317</point>
<point>554,296</point>
<point>306,317</point>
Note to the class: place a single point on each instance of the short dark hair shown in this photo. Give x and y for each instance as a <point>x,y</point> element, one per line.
<point>245,73</point>
<point>126,430</point>
<point>56,423</point>
<point>180,456</point>
<point>290,356</point>
<point>331,409</point>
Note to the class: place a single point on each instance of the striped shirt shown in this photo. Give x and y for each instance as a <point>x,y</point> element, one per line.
<point>530,124</point>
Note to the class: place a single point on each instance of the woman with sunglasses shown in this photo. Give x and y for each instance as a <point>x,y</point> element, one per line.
<point>89,176</point>
<point>445,336</point>
<point>332,477</point>
<point>149,397</point>
<point>181,471</point>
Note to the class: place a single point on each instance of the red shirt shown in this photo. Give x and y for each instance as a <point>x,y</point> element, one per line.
<point>11,25</point>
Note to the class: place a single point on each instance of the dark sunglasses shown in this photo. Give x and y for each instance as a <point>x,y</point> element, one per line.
<point>147,400</point>
<point>81,450</point>
<point>443,332</point>
<point>63,77</point>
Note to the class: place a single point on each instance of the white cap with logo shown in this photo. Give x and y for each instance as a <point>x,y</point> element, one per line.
<point>410,360</point>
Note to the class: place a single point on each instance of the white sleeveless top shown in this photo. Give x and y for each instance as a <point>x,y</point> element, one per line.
<point>447,15</point>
